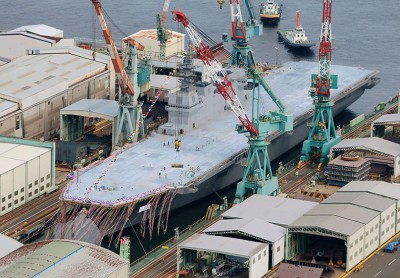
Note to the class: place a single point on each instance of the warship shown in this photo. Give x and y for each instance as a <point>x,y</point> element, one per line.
<point>154,176</point>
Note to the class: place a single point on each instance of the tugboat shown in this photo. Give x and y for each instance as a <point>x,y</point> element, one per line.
<point>270,12</point>
<point>296,39</point>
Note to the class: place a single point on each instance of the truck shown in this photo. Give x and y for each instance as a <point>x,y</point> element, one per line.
<point>391,247</point>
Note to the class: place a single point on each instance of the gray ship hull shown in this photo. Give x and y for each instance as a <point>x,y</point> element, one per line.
<point>232,171</point>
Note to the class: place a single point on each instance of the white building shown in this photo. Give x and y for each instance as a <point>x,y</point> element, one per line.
<point>348,226</point>
<point>26,172</point>
<point>209,248</point>
<point>35,87</point>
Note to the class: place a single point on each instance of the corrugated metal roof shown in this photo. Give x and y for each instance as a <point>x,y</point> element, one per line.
<point>331,223</point>
<point>225,245</point>
<point>40,29</point>
<point>373,143</point>
<point>31,79</point>
<point>41,259</point>
<point>382,188</point>
<point>256,227</point>
<point>363,199</point>
<point>388,118</point>
<point>14,45</point>
<point>61,258</point>
<point>347,211</point>
<point>281,211</point>
<point>93,108</point>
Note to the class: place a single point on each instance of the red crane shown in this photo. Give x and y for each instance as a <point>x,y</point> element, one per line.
<point>216,72</point>
<point>122,77</point>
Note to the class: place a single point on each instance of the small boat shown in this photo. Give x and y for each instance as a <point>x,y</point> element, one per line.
<point>350,157</point>
<point>296,38</point>
<point>270,12</point>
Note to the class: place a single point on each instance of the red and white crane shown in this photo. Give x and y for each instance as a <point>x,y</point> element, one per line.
<point>216,72</point>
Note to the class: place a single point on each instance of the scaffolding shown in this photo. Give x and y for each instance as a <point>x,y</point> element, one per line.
<point>340,172</point>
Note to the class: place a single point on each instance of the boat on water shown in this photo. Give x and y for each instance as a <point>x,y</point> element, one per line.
<point>270,12</point>
<point>296,38</point>
<point>142,175</point>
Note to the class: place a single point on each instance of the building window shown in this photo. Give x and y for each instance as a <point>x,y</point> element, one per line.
<point>361,238</point>
<point>371,230</point>
<point>360,251</point>
<point>42,179</point>
<point>36,191</point>
<point>22,189</point>
<point>15,202</point>
<point>259,256</point>
<point>392,214</point>
<point>387,217</point>
<point>376,226</point>
<point>371,242</point>
<point>355,254</point>
<point>9,205</point>
<point>383,233</point>
<point>48,176</point>
<point>356,242</point>
<point>387,229</point>
<point>3,199</point>
<point>391,226</point>
<point>278,249</point>
<point>48,184</point>
<point>254,260</point>
<point>42,188</point>
<point>367,233</point>
<point>16,192</point>
<point>351,258</point>
<point>3,208</point>
<point>376,238</point>
<point>383,220</point>
<point>22,198</point>
<point>36,182</point>
<point>265,253</point>
<point>30,194</point>
<point>351,245</point>
<point>30,185</point>
<point>366,245</point>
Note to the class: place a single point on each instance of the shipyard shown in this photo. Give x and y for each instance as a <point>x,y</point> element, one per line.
<point>143,140</point>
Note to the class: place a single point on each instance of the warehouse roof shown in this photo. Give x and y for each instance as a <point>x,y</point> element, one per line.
<point>387,119</point>
<point>7,164</point>
<point>332,223</point>
<point>41,30</point>
<point>347,211</point>
<point>281,211</point>
<point>7,107</point>
<point>100,108</point>
<point>382,188</point>
<point>250,227</point>
<point>14,45</point>
<point>374,144</point>
<point>31,79</point>
<point>8,245</point>
<point>363,199</point>
<point>61,258</point>
<point>225,245</point>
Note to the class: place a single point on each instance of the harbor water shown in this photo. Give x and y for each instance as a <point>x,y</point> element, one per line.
<point>366,35</point>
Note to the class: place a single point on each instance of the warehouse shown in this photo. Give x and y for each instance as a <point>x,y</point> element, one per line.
<point>35,87</point>
<point>386,126</point>
<point>384,155</point>
<point>346,227</point>
<point>26,171</point>
<point>258,220</point>
<point>223,256</point>
<point>63,258</point>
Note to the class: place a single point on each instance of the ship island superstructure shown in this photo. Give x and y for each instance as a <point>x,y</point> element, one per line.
<point>211,149</point>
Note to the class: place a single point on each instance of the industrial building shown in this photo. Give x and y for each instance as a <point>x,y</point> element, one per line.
<point>249,237</point>
<point>342,171</point>
<point>384,155</point>
<point>387,126</point>
<point>63,258</point>
<point>346,227</point>
<point>148,38</point>
<point>35,87</point>
<point>27,171</point>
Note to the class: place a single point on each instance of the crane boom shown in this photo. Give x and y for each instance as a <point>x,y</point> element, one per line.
<point>216,72</point>
<point>122,77</point>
